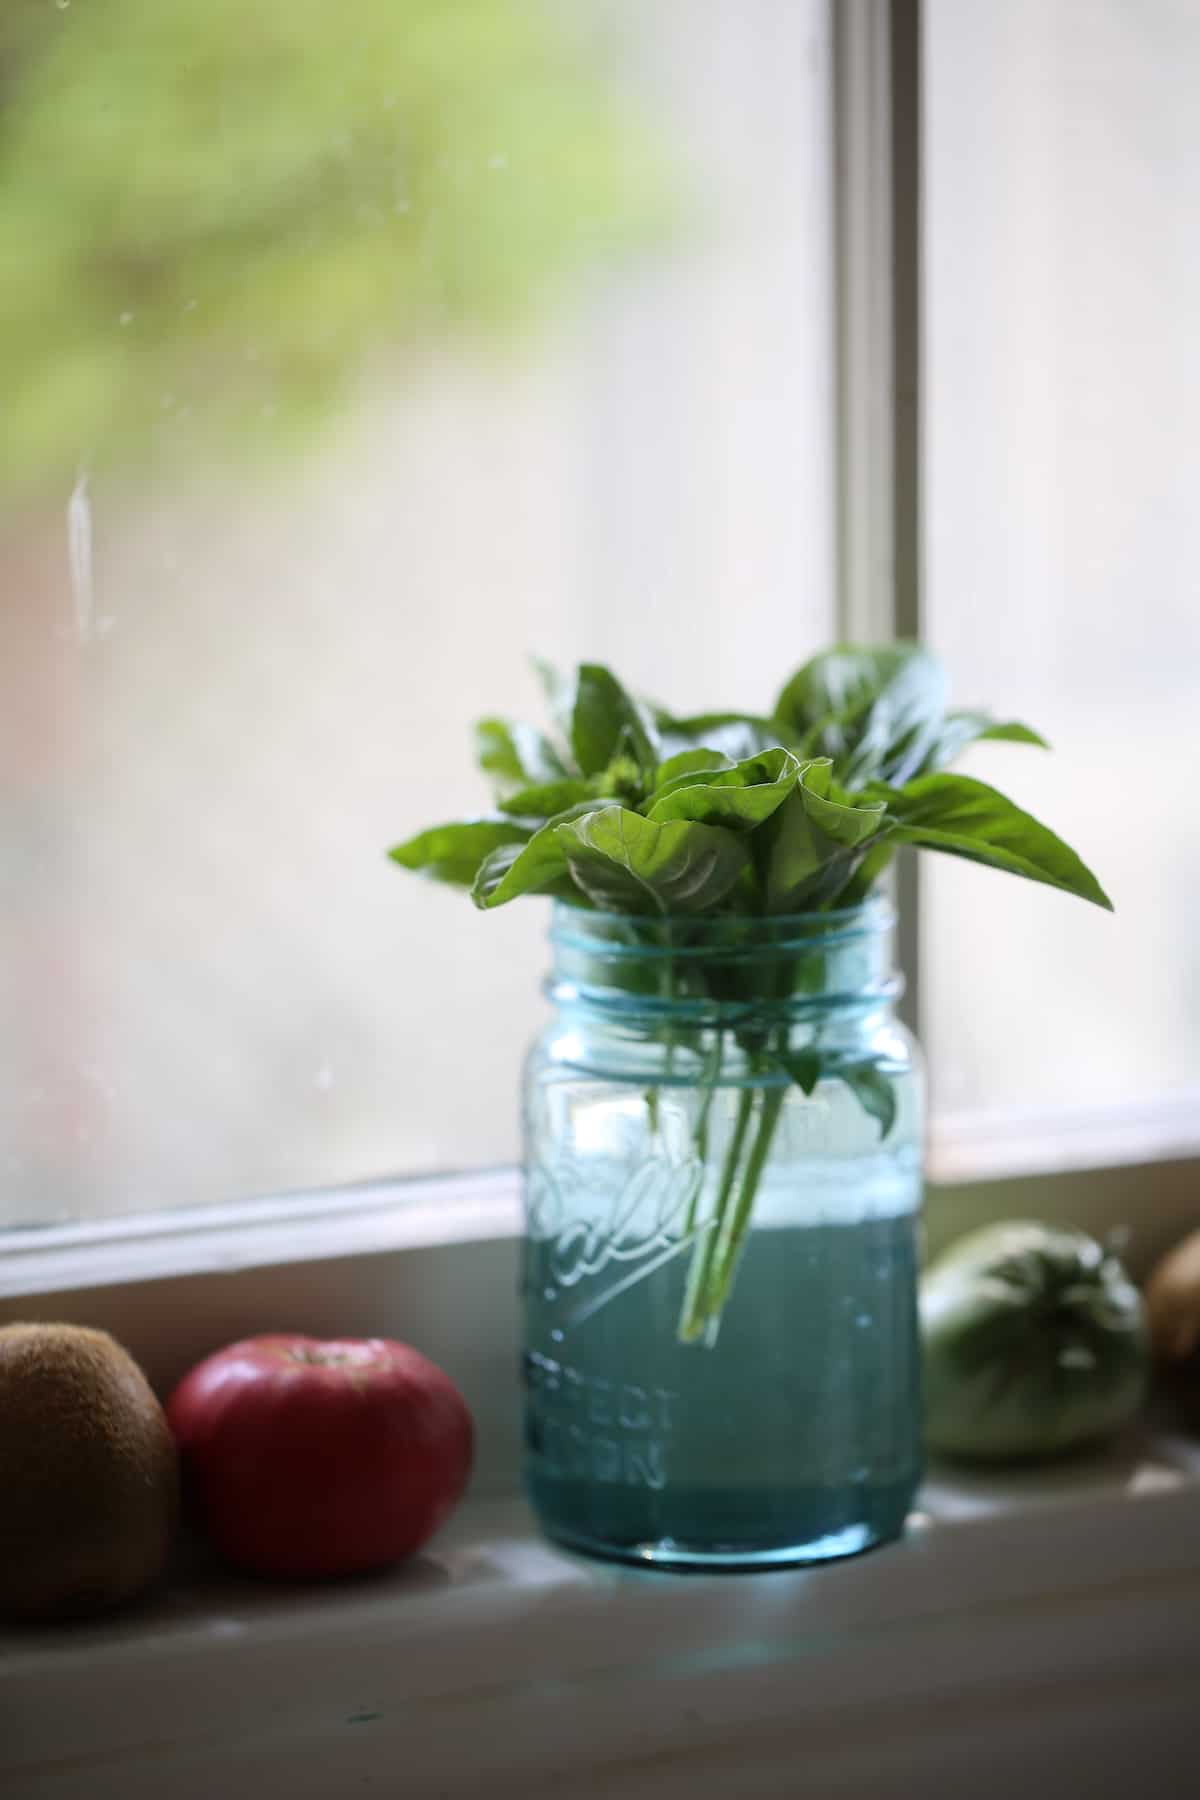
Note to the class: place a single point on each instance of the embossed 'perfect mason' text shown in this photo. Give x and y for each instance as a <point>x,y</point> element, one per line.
<point>586,1427</point>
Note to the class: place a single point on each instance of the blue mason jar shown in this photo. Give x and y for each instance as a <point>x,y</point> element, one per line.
<point>723,1184</point>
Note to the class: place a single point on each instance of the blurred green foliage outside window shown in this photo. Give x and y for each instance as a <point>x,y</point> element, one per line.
<point>211,213</point>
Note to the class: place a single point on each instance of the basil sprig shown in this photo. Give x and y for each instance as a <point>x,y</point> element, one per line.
<point>626,807</point>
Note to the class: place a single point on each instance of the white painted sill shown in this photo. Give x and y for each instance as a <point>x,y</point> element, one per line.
<point>1042,1630</point>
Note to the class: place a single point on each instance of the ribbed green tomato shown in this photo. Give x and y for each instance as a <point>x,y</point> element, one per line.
<point>1034,1344</point>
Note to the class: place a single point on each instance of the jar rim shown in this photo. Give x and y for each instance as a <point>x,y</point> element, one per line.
<point>723,969</point>
<point>678,933</point>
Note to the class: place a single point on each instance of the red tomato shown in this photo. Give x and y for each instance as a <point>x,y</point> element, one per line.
<point>310,1458</point>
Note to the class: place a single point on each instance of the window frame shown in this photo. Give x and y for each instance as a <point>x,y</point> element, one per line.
<point>1080,1165</point>
<point>422,1257</point>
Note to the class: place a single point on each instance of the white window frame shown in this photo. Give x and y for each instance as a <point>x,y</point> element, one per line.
<point>1134,1171</point>
<point>436,1259</point>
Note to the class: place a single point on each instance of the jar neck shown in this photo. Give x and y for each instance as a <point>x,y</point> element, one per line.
<point>729,972</point>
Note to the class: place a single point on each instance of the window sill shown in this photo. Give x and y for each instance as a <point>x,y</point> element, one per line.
<point>361,1220</point>
<point>1006,1143</point>
<point>1040,1628</point>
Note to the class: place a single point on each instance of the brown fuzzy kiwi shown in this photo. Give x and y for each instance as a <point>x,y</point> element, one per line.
<point>1173,1303</point>
<point>1173,1315</point>
<point>89,1478</point>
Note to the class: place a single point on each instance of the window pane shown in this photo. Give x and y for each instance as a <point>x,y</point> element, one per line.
<point>1063,408</point>
<point>228,700</point>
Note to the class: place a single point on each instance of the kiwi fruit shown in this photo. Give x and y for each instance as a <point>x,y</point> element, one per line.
<point>1173,1314</point>
<point>89,1477</point>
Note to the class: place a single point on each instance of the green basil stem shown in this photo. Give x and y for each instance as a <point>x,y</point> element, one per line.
<point>694,1317</point>
<point>712,1075</point>
<point>666,993</point>
<point>666,988</point>
<point>717,1254</point>
<point>736,1222</point>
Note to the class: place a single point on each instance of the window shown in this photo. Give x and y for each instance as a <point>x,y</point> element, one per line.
<point>1062,386</point>
<point>231,698</point>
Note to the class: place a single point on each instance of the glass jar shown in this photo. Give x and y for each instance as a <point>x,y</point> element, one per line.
<point>723,1183</point>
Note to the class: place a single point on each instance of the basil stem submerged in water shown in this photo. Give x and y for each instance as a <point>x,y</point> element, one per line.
<point>627,808</point>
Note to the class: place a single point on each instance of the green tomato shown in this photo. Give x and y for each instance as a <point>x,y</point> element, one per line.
<point>1034,1344</point>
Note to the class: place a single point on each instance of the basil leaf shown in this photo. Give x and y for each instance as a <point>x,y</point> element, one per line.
<point>847,818</point>
<point>516,869</point>
<point>793,813</point>
<point>538,866</point>
<point>736,735</point>
<point>871,1088</point>
<point>961,729</point>
<point>812,844</point>
<point>804,1066</point>
<point>689,762</point>
<point>559,692</point>
<point>605,721</point>
<point>516,753</point>
<point>964,817</point>
<point>454,852</point>
<point>1008,731</point>
<point>873,1091</point>
<point>545,801</point>
<point>901,723</point>
<point>875,712</point>
<point>495,751</point>
<point>741,797</point>
<point>626,863</point>
<point>868,872</point>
